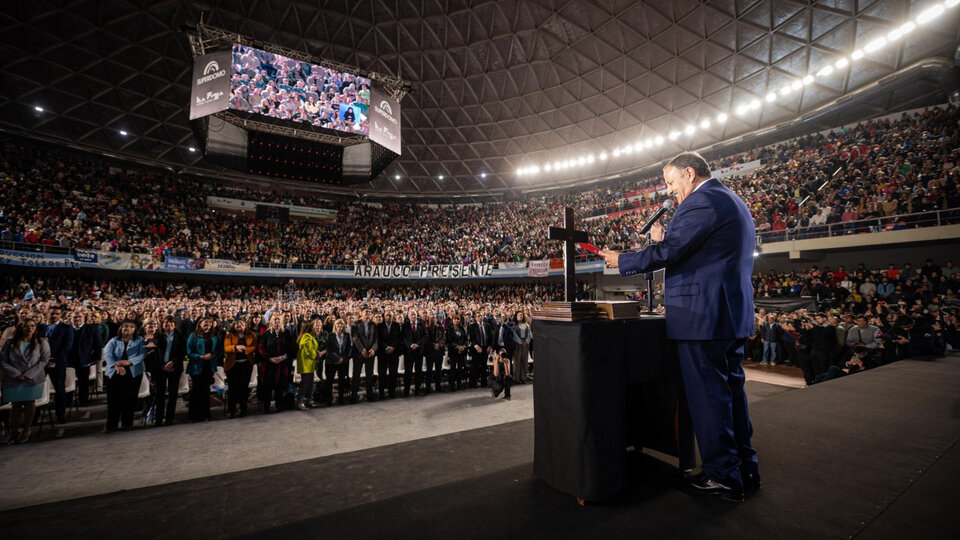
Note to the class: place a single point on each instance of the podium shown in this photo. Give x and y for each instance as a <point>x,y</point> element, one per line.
<point>601,386</point>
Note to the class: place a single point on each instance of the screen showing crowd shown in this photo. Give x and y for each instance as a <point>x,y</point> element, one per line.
<point>279,87</point>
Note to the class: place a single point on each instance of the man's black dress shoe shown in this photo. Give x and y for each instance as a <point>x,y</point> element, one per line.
<point>702,484</point>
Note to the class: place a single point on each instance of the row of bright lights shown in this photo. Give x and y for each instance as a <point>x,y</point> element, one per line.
<point>926,16</point>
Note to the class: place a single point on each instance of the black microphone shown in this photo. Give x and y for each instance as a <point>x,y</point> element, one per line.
<point>667,205</point>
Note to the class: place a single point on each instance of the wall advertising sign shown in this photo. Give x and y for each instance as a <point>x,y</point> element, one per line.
<point>210,85</point>
<point>384,120</point>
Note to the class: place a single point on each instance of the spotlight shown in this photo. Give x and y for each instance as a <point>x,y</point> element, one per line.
<point>951,3</point>
<point>785,90</point>
<point>756,253</point>
<point>772,96</point>
<point>755,104</point>
<point>441,177</point>
<point>658,140</point>
<point>192,149</point>
<point>556,165</point>
<point>616,152</point>
<point>741,110</point>
<point>547,167</point>
<point>124,133</point>
<point>721,118</point>
<point>689,130</point>
<point>603,156</point>
<point>857,54</point>
<point>827,70</point>
<point>483,175</point>
<point>674,135</point>
<point>396,177</point>
<point>841,63</point>
<point>38,108</point>
<point>591,159</point>
<point>705,124</point>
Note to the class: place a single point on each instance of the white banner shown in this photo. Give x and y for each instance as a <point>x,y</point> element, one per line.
<point>426,271</point>
<point>240,205</point>
<point>736,170</point>
<point>539,268</point>
<point>521,264</point>
<point>222,265</point>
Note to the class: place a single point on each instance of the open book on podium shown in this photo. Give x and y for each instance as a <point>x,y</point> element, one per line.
<point>587,311</point>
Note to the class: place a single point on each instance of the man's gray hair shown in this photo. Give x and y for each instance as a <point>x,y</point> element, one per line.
<point>691,159</point>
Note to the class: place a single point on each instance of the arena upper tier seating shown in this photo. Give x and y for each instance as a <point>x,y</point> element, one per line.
<point>883,169</point>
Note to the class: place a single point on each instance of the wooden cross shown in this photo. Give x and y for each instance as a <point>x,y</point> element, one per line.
<point>569,236</point>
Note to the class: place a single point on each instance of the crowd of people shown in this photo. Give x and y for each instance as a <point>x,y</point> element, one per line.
<point>280,87</point>
<point>302,342</point>
<point>864,318</point>
<point>886,168</point>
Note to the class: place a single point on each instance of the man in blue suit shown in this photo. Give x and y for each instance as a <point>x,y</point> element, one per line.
<point>708,256</point>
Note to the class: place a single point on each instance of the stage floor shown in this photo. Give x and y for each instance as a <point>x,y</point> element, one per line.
<point>873,455</point>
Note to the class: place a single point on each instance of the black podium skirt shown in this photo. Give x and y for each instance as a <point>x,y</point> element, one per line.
<point>590,381</point>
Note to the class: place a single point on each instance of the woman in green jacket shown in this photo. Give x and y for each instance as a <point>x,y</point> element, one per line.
<point>313,343</point>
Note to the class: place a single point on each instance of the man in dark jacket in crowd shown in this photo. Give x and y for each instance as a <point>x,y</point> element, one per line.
<point>85,353</point>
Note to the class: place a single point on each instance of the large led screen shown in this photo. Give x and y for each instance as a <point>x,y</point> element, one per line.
<point>279,87</point>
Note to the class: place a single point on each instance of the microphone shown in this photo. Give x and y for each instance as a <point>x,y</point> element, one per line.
<point>667,205</point>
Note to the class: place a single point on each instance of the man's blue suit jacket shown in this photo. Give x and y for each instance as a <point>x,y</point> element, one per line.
<point>707,252</point>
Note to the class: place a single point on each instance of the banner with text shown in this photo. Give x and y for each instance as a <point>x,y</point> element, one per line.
<point>240,205</point>
<point>426,271</point>
<point>210,85</point>
<point>659,188</point>
<point>36,260</point>
<point>539,268</point>
<point>224,265</point>
<point>384,120</point>
<point>736,170</point>
<point>184,263</point>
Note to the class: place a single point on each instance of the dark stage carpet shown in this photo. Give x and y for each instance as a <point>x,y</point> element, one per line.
<point>873,455</point>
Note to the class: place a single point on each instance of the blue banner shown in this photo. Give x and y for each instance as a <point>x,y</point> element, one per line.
<point>184,263</point>
<point>85,256</point>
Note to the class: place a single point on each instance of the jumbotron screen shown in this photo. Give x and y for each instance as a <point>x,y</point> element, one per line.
<point>265,83</point>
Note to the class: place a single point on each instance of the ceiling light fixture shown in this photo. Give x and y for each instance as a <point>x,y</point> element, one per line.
<point>705,124</point>
<point>857,54</point>
<point>38,108</point>
<point>721,118</point>
<point>875,45</point>
<point>772,96</point>
<point>689,130</point>
<point>192,149</point>
<point>124,133</point>
<point>930,13</point>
